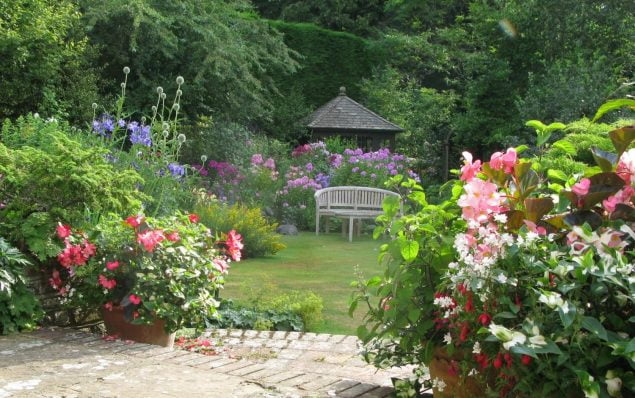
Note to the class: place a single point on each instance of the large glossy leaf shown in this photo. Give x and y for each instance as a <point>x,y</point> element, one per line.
<point>606,160</point>
<point>537,207</point>
<point>594,326</point>
<point>623,212</point>
<point>613,105</point>
<point>566,147</point>
<point>515,219</point>
<point>498,176</point>
<point>583,216</point>
<point>602,186</point>
<point>556,221</point>
<point>557,175</point>
<point>622,138</point>
<point>543,132</point>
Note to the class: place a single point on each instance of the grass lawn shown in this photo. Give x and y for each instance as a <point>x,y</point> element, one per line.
<point>323,264</point>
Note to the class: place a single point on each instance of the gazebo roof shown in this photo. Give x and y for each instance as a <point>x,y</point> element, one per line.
<point>343,113</point>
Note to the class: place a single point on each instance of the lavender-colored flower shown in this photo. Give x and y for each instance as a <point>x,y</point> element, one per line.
<point>373,176</point>
<point>363,173</point>
<point>257,159</point>
<point>270,164</point>
<point>121,123</point>
<point>309,166</point>
<point>393,172</point>
<point>355,169</point>
<point>323,180</point>
<point>140,135</point>
<point>176,169</point>
<point>104,126</point>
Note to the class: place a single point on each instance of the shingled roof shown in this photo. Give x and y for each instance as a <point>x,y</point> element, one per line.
<point>344,113</point>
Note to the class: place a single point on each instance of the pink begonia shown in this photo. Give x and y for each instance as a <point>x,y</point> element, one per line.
<point>622,196</point>
<point>220,264</point>
<point>535,229</point>
<point>134,299</point>
<point>107,283</point>
<point>111,266</point>
<point>626,166</point>
<point>581,188</point>
<point>469,170</point>
<point>504,161</point>
<point>480,200</point>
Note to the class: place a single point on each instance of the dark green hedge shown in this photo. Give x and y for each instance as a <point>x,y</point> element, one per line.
<point>330,60</point>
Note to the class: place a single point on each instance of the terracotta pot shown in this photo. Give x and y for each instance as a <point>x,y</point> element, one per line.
<point>455,386</point>
<point>153,333</point>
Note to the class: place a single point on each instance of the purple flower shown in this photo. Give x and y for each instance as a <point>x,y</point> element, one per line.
<point>363,173</point>
<point>256,159</point>
<point>309,166</point>
<point>270,164</point>
<point>393,172</point>
<point>355,169</point>
<point>104,126</point>
<point>121,123</point>
<point>140,135</point>
<point>373,176</point>
<point>176,169</point>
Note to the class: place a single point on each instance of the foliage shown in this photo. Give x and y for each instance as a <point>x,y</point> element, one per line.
<point>232,316</point>
<point>45,60</point>
<point>167,268</point>
<point>259,235</point>
<point>56,180</point>
<point>19,309</point>
<point>228,56</point>
<point>533,292</point>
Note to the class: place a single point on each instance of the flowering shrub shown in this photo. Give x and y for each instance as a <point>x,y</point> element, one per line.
<point>166,268</point>
<point>530,292</point>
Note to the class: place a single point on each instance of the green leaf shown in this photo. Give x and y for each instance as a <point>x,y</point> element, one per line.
<point>606,160</point>
<point>408,249</point>
<point>622,138</point>
<point>594,326</point>
<point>418,197</point>
<point>611,106</point>
<point>567,317</point>
<point>413,314</point>
<point>557,175</point>
<point>391,205</point>
<point>566,147</point>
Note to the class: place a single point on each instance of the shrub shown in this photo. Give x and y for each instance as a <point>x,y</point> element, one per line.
<point>259,235</point>
<point>234,316</point>
<point>57,181</point>
<point>19,309</point>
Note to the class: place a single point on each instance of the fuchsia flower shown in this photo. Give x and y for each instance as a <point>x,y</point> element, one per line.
<point>581,188</point>
<point>193,218</point>
<point>149,239</point>
<point>63,231</point>
<point>107,283</point>
<point>134,299</point>
<point>469,170</point>
<point>234,245</point>
<point>504,161</point>
<point>111,266</point>
<point>135,221</point>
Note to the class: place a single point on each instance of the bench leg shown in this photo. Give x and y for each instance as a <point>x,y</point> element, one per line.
<point>350,229</point>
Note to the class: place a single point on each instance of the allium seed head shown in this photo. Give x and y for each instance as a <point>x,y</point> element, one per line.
<point>143,119</point>
<point>166,133</point>
<point>204,158</point>
<point>159,90</point>
<point>123,85</point>
<point>179,93</point>
<point>154,108</point>
<point>181,138</point>
<point>176,107</point>
<point>94,105</point>
<point>166,126</point>
<point>126,70</point>
<point>163,95</point>
<point>179,80</point>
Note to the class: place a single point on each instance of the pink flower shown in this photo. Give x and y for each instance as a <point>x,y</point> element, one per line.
<point>481,198</point>
<point>134,299</point>
<point>582,187</point>
<point>469,170</point>
<point>220,264</point>
<point>173,236</point>
<point>89,249</point>
<point>256,159</point>
<point>535,229</point>
<point>270,164</point>
<point>107,283</point>
<point>504,161</point>
<point>55,280</point>
<point>622,196</point>
<point>626,166</point>
<point>111,266</point>
<point>63,231</point>
<point>193,218</point>
<point>149,239</point>
<point>135,221</point>
<point>234,244</point>
<point>108,306</point>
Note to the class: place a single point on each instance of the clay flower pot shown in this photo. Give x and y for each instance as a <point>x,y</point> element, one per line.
<point>455,385</point>
<point>153,333</point>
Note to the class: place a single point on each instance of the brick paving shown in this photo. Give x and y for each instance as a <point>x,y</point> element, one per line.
<point>55,362</point>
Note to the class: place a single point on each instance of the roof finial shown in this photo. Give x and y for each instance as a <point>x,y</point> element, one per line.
<point>342,90</point>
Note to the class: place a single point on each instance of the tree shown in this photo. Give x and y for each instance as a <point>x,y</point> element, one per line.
<point>226,54</point>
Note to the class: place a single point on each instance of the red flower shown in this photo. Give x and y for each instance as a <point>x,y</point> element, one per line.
<point>149,239</point>
<point>135,315</point>
<point>481,359</point>
<point>108,306</point>
<point>234,244</point>
<point>63,231</point>
<point>134,299</point>
<point>173,236</point>
<point>461,288</point>
<point>498,362</point>
<point>508,359</point>
<point>107,283</point>
<point>485,319</point>
<point>112,265</point>
<point>453,369</point>
<point>135,221</point>
<point>526,360</point>
<point>55,280</point>
<point>465,331</point>
<point>193,218</point>
<point>469,305</point>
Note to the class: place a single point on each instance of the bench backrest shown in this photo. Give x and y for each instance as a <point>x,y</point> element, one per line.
<point>348,197</point>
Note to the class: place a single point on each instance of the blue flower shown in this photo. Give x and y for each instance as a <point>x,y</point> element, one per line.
<point>140,134</point>
<point>104,126</point>
<point>176,169</point>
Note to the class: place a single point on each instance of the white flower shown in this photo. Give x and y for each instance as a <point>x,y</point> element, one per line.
<point>531,236</point>
<point>508,337</point>
<point>443,302</point>
<point>477,348</point>
<point>501,218</point>
<point>447,338</point>
<point>613,384</point>
<point>453,265</point>
<point>552,299</point>
<point>517,338</point>
<point>438,384</point>
<point>473,372</point>
<point>501,278</point>
<point>537,340</point>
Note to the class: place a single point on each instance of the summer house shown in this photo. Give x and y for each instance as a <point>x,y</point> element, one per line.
<point>346,118</point>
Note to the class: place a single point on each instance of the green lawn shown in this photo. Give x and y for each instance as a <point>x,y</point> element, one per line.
<point>324,264</point>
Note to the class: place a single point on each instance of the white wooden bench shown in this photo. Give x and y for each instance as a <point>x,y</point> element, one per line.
<point>353,203</point>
